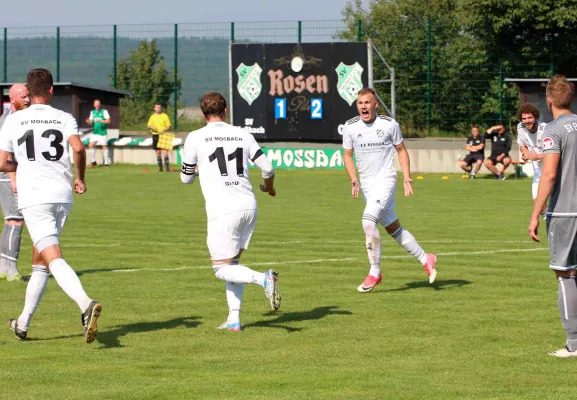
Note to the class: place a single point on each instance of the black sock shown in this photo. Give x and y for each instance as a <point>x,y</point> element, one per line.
<point>166,162</point>
<point>159,161</point>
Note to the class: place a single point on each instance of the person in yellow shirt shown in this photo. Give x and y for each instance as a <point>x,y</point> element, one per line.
<point>159,123</point>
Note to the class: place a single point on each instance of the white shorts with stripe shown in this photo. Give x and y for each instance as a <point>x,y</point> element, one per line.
<point>380,206</point>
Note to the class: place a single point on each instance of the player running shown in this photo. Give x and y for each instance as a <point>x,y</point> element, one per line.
<point>13,220</point>
<point>530,139</point>
<point>559,180</point>
<point>219,154</point>
<point>374,139</point>
<point>39,137</point>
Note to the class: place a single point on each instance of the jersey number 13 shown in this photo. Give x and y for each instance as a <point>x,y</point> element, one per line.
<point>55,143</point>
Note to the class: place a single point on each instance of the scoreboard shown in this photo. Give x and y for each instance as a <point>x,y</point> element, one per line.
<point>294,91</point>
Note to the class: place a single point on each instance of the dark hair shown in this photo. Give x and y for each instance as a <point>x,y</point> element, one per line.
<point>474,126</point>
<point>213,105</point>
<point>560,91</point>
<point>39,81</point>
<point>528,108</point>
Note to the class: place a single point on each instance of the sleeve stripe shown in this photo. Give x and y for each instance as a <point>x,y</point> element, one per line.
<point>257,155</point>
<point>188,169</point>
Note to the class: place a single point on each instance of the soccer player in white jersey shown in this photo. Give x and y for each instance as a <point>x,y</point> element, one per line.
<point>39,137</point>
<point>374,139</point>
<point>219,154</point>
<point>530,139</point>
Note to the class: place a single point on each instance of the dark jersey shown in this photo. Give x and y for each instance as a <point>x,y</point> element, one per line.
<point>475,141</point>
<point>499,143</point>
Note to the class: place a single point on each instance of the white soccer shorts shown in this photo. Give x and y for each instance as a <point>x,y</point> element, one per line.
<point>535,184</point>
<point>227,234</point>
<point>45,220</point>
<point>380,206</point>
<point>100,140</point>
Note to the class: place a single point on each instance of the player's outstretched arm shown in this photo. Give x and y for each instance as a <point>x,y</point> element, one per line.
<point>546,182</point>
<point>351,172</point>
<point>405,163</point>
<point>267,171</point>
<point>6,163</point>
<point>79,155</point>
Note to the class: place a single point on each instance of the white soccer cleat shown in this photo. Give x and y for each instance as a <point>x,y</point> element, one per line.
<point>563,353</point>
<point>271,288</point>
<point>430,267</point>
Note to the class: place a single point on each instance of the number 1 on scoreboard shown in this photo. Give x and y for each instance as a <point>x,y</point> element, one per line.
<point>280,108</point>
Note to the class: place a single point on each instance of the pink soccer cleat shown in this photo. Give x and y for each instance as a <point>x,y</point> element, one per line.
<point>369,283</point>
<point>430,267</point>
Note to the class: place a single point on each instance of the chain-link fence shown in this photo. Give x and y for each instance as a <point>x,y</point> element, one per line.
<point>441,88</point>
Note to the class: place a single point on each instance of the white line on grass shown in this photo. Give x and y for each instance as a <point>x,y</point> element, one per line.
<point>311,241</point>
<point>329,260</point>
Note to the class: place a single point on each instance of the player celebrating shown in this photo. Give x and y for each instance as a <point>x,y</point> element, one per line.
<point>530,136</point>
<point>374,139</point>
<point>559,179</point>
<point>39,137</point>
<point>476,148</point>
<point>219,154</point>
<point>13,220</point>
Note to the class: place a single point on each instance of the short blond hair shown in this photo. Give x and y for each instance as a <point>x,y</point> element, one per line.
<point>560,91</point>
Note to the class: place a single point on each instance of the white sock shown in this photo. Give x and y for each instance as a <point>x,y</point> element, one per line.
<point>106,156</point>
<point>69,282</point>
<point>373,242</point>
<point>238,274</point>
<point>34,291</point>
<point>234,292</point>
<point>409,243</point>
<point>93,154</point>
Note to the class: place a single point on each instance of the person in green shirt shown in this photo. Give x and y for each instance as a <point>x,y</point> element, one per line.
<point>99,118</point>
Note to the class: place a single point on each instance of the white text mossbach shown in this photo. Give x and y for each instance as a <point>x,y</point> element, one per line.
<point>42,121</point>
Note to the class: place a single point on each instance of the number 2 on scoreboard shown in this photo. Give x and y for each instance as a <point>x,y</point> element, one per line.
<point>316,108</point>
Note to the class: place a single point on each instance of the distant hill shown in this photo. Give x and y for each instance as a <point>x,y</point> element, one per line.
<point>203,63</point>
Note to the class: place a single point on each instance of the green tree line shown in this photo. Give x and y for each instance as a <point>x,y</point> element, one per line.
<point>451,56</point>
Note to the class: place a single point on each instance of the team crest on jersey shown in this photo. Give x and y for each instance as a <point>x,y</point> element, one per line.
<point>249,85</point>
<point>547,143</point>
<point>350,81</point>
<point>380,133</point>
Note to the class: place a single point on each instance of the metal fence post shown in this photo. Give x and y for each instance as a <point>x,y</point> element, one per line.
<point>175,94</point>
<point>429,77</point>
<point>57,54</point>
<point>232,32</point>
<point>299,34</point>
<point>5,59</point>
<point>551,54</point>
<point>114,58</point>
<point>359,32</point>
<point>501,82</point>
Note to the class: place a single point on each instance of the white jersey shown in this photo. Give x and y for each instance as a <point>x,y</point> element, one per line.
<point>221,152</point>
<point>38,137</point>
<point>374,148</point>
<point>533,141</point>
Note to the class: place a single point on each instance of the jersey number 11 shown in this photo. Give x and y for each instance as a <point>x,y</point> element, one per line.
<point>218,155</point>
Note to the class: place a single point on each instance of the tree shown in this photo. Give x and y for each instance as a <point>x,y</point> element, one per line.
<point>144,73</point>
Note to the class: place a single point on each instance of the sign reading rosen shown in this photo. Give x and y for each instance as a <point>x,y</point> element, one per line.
<point>296,91</point>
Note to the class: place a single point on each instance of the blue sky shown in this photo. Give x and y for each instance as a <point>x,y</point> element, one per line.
<point>109,12</point>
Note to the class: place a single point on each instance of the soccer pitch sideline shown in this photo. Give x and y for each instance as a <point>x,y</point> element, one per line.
<point>137,241</point>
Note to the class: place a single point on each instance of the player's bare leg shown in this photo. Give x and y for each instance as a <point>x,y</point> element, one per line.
<point>506,163</point>
<point>236,276</point>
<point>491,167</point>
<point>10,249</point>
<point>567,304</point>
<point>477,167</point>
<point>409,243</point>
<point>464,166</point>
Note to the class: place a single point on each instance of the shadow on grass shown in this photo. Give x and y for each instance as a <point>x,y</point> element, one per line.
<point>97,271</point>
<point>110,338</point>
<point>437,285</point>
<point>315,313</point>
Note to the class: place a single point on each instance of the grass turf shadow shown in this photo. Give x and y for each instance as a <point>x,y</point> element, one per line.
<point>315,313</point>
<point>437,285</point>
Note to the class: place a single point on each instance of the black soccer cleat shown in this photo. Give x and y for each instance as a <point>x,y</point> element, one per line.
<point>89,321</point>
<point>19,333</point>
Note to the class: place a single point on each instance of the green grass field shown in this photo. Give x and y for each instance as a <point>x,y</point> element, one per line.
<point>137,241</point>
